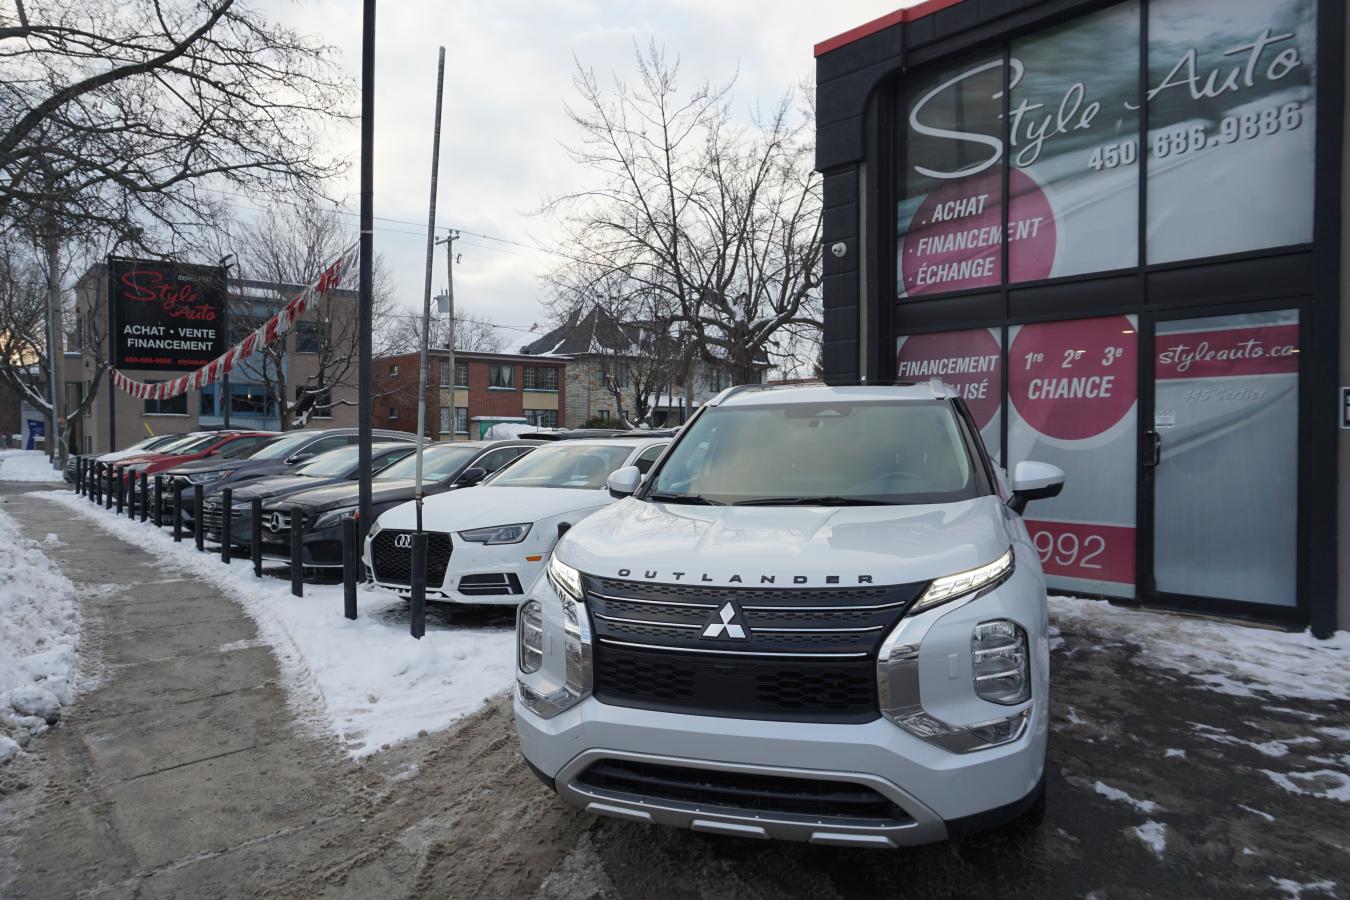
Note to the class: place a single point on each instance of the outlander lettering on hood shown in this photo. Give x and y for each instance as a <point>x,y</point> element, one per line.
<point>705,578</point>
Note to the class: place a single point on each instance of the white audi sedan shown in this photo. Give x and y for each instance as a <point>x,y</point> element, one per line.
<point>487,544</point>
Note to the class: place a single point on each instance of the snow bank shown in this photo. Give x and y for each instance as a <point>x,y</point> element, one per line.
<point>1240,660</point>
<point>366,682</point>
<point>26,465</point>
<point>39,632</point>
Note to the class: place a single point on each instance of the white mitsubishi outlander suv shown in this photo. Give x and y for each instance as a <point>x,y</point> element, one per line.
<point>819,617</point>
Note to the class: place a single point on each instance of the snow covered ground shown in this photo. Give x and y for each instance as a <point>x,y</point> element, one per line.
<point>26,465</point>
<point>366,682</point>
<point>39,634</point>
<point>1239,660</point>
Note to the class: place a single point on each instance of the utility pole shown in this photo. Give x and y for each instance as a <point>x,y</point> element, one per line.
<point>366,301</point>
<point>426,290</point>
<point>449,243</point>
<point>55,349</point>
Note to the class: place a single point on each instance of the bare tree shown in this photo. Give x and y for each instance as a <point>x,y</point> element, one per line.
<point>285,249</point>
<point>125,110</point>
<point>473,333</point>
<point>720,220</point>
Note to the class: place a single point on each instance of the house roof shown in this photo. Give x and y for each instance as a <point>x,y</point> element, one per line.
<point>595,332</point>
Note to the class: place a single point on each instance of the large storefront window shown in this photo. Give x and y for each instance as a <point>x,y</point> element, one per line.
<point>1074,126</point>
<point>1231,126</point>
<point>951,203</point>
<point>1073,388</point>
<point>1230,147</point>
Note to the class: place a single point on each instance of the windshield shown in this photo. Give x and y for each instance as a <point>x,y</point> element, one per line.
<point>439,461</point>
<point>284,447</point>
<point>565,465</point>
<point>333,464</point>
<point>196,443</point>
<point>831,454</point>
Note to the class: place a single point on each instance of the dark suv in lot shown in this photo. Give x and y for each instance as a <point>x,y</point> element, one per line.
<point>446,466</point>
<point>335,467</point>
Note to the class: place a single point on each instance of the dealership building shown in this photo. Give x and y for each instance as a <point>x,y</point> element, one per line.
<point>1116,229</point>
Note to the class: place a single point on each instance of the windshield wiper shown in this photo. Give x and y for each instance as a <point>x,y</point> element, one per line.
<point>813,501</point>
<point>691,499</point>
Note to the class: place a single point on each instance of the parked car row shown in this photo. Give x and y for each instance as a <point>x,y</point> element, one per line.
<point>493,509</point>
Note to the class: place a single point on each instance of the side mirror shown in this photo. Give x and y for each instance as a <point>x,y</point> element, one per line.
<point>471,476</point>
<point>1034,481</point>
<point>623,482</point>
<point>300,458</point>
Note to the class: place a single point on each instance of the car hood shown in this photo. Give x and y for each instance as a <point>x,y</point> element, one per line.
<point>347,493</point>
<point>801,546</point>
<point>215,464</point>
<point>276,485</point>
<point>481,507</point>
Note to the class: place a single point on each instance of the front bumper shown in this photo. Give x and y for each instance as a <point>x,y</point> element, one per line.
<point>939,793</point>
<point>476,574</point>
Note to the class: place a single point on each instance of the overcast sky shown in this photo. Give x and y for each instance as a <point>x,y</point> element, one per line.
<point>508,73</point>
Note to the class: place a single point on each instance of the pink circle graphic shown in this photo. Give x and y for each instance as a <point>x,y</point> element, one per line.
<point>969,361</point>
<point>954,242</point>
<point>1074,380</point>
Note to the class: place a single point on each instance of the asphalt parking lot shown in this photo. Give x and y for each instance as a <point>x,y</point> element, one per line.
<point>185,771</point>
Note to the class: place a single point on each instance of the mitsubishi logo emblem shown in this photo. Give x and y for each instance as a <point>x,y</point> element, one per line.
<point>725,623</point>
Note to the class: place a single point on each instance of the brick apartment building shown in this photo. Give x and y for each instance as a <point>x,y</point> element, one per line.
<point>489,388</point>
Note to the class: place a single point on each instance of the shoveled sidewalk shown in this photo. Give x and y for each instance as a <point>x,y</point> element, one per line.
<point>184,761</point>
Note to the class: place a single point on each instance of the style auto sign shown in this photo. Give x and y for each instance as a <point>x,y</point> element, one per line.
<point>167,317</point>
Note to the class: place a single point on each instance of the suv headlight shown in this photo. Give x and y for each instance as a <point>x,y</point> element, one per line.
<point>208,477</point>
<point>335,516</point>
<point>497,534</point>
<point>545,700</point>
<point>950,587</point>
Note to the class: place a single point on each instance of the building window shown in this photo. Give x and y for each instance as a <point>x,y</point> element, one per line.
<point>393,413</point>
<point>311,337</point>
<point>542,418</point>
<point>393,371</point>
<point>445,373</point>
<point>175,407</point>
<point>620,371</point>
<point>540,378</point>
<point>461,420</point>
<point>502,378</point>
<point>602,415</point>
<point>445,420</point>
<point>323,400</point>
<point>461,374</point>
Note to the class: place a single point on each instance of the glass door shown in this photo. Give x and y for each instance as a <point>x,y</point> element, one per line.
<point>1221,462</point>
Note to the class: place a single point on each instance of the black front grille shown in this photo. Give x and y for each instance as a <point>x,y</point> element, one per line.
<point>393,565</point>
<point>762,794</point>
<point>785,654</point>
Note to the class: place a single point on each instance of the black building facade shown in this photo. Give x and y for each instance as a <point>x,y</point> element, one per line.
<point>1115,227</point>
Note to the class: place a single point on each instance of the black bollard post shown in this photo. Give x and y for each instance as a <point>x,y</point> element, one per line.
<point>145,496</point>
<point>119,473</point>
<point>255,538</point>
<point>177,511</point>
<point>418,624</point>
<point>297,551</point>
<point>79,473</point>
<point>82,467</point>
<point>350,556</point>
<point>198,532</point>
<point>159,501</point>
<point>226,509</point>
<point>108,482</point>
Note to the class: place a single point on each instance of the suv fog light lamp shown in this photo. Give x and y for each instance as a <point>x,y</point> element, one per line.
<point>530,632</point>
<point>1001,660</point>
<point>950,587</point>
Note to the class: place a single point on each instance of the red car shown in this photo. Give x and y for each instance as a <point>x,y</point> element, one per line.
<point>203,445</point>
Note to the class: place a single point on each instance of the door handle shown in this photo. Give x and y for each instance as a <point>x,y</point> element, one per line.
<point>1153,449</point>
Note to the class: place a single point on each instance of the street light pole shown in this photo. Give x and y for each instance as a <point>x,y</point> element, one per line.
<point>449,243</point>
<point>365,303</point>
<point>426,290</point>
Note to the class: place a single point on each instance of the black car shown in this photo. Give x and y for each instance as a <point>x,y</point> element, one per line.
<point>277,457</point>
<point>334,467</point>
<point>445,466</point>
